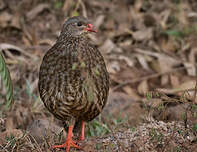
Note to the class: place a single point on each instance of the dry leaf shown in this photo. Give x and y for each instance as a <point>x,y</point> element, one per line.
<point>180,88</point>
<point>163,17</point>
<point>155,66</point>
<point>131,92</point>
<point>165,62</point>
<point>164,80</point>
<point>143,61</point>
<point>192,54</point>
<point>191,68</point>
<point>186,85</point>
<point>154,102</point>
<point>109,46</point>
<point>192,15</point>
<point>144,34</point>
<point>113,67</point>
<point>37,10</point>
<point>99,21</point>
<point>46,41</point>
<point>174,80</point>
<point>6,46</point>
<point>183,13</point>
<point>169,45</point>
<point>143,87</point>
<point>67,5</point>
<point>5,19</point>
<point>15,22</point>
<point>129,61</point>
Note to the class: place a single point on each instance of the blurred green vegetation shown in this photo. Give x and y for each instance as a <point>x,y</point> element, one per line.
<point>7,83</point>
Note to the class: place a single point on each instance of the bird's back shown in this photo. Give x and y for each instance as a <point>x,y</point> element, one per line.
<point>73,80</point>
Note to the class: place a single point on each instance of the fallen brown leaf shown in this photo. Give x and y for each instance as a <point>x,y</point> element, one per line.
<point>5,18</point>
<point>143,87</point>
<point>37,10</point>
<point>144,34</point>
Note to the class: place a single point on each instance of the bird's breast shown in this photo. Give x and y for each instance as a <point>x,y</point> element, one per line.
<point>74,82</point>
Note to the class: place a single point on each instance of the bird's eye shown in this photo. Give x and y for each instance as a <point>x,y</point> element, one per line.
<point>79,24</point>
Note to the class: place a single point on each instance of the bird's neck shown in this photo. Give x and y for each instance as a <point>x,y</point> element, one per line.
<point>73,39</point>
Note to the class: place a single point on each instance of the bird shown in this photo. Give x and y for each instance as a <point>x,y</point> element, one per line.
<point>73,78</point>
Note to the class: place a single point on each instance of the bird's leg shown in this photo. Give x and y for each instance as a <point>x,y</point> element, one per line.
<point>69,142</point>
<point>82,137</point>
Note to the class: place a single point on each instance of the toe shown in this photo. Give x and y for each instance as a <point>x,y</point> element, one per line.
<point>73,144</point>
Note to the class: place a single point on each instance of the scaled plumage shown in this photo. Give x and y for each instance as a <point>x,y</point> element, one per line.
<point>73,80</point>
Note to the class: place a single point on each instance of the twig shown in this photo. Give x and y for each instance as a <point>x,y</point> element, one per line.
<point>6,46</point>
<point>77,6</point>
<point>66,5</point>
<point>83,8</point>
<point>34,140</point>
<point>174,91</point>
<point>147,77</point>
<point>163,96</point>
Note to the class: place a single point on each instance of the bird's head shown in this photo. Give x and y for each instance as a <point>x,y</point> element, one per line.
<point>77,26</point>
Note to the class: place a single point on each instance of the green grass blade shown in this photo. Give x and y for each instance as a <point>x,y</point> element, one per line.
<point>5,76</point>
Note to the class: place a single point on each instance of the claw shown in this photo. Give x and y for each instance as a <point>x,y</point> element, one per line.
<point>69,142</point>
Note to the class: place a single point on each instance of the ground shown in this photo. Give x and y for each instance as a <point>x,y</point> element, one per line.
<point>150,51</point>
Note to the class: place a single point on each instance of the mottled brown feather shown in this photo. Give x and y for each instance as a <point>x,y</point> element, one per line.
<point>73,79</point>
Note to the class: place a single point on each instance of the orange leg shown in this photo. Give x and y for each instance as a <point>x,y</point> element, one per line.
<point>82,137</point>
<point>69,142</point>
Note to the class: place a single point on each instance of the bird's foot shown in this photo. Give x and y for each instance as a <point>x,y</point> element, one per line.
<point>69,143</point>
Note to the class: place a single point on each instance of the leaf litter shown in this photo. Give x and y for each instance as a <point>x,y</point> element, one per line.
<point>147,45</point>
